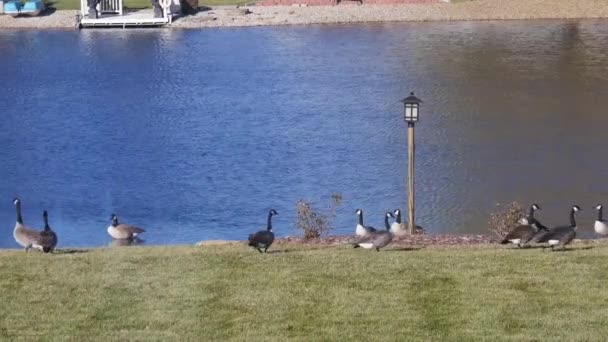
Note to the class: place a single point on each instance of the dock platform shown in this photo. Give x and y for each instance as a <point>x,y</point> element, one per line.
<point>141,18</point>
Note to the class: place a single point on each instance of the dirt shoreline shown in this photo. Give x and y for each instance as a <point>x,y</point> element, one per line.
<point>294,15</point>
<point>415,241</point>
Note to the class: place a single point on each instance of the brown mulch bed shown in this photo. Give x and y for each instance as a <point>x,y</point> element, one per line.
<point>415,240</point>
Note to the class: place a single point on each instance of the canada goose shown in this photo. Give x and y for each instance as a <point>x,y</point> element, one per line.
<point>48,238</point>
<point>600,225</point>
<point>400,228</point>
<point>523,233</point>
<point>362,230</point>
<point>263,238</point>
<point>377,239</point>
<point>525,220</point>
<point>123,231</point>
<point>24,236</point>
<point>561,235</point>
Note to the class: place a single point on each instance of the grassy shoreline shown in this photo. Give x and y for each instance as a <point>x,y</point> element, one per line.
<point>230,292</point>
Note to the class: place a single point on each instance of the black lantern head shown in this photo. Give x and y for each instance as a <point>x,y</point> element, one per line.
<point>411,105</point>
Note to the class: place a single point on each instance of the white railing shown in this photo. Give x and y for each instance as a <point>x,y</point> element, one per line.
<point>104,6</point>
<point>110,6</point>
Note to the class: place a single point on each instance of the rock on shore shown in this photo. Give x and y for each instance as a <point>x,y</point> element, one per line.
<point>347,13</point>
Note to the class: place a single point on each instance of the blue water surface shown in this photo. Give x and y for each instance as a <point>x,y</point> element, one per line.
<point>196,134</point>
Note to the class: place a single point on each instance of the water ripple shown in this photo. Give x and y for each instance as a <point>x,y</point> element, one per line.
<point>195,134</point>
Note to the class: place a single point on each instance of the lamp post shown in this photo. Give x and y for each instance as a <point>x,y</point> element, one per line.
<point>410,113</point>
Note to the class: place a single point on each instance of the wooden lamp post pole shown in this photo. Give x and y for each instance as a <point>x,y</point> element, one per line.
<point>410,178</point>
<point>411,105</point>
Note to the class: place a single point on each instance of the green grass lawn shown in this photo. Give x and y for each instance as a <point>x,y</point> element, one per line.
<point>135,4</point>
<point>333,294</point>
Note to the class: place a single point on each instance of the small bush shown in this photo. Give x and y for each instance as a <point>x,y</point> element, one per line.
<point>314,223</point>
<point>505,218</point>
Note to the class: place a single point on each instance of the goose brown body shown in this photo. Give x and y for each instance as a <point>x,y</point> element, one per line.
<point>24,236</point>
<point>377,239</point>
<point>361,229</point>
<point>400,228</point>
<point>263,239</point>
<point>523,233</point>
<point>48,238</point>
<point>123,231</point>
<point>562,235</point>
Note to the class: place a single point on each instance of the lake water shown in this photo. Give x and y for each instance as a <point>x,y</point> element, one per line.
<point>195,134</point>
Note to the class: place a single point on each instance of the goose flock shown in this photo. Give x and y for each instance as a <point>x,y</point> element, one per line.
<point>374,238</point>
<point>369,237</point>
<point>529,230</point>
<point>46,240</point>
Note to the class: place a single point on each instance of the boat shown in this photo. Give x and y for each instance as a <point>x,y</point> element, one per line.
<point>30,7</point>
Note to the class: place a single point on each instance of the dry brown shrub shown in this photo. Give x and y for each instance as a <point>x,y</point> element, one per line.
<point>505,218</point>
<point>314,223</point>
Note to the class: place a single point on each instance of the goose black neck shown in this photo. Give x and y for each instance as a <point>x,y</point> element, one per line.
<point>361,218</point>
<point>398,217</point>
<point>531,213</point>
<point>114,221</point>
<point>572,220</point>
<point>19,217</point>
<point>386,225</point>
<point>539,225</point>
<point>269,225</point>
<point>600,214</point>
<point>46,221</point>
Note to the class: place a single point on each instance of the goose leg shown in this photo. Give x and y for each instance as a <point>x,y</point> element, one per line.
<point>260,250</point>
<point>377,249</point>
<point>265,249</point>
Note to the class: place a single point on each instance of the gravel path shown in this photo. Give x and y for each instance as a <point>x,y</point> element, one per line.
<point>288,15</point>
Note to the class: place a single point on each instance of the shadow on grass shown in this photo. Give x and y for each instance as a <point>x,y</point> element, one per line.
<point>45,13</point>
<point>280,251</point>
<point>562,250</point>
<point>70,251</point>
<point>515,248</point>
<point>126,242</point>
<point>404,249</point>
<point>135,8</point>
<point>49,8</point>
<point>48,11</point>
